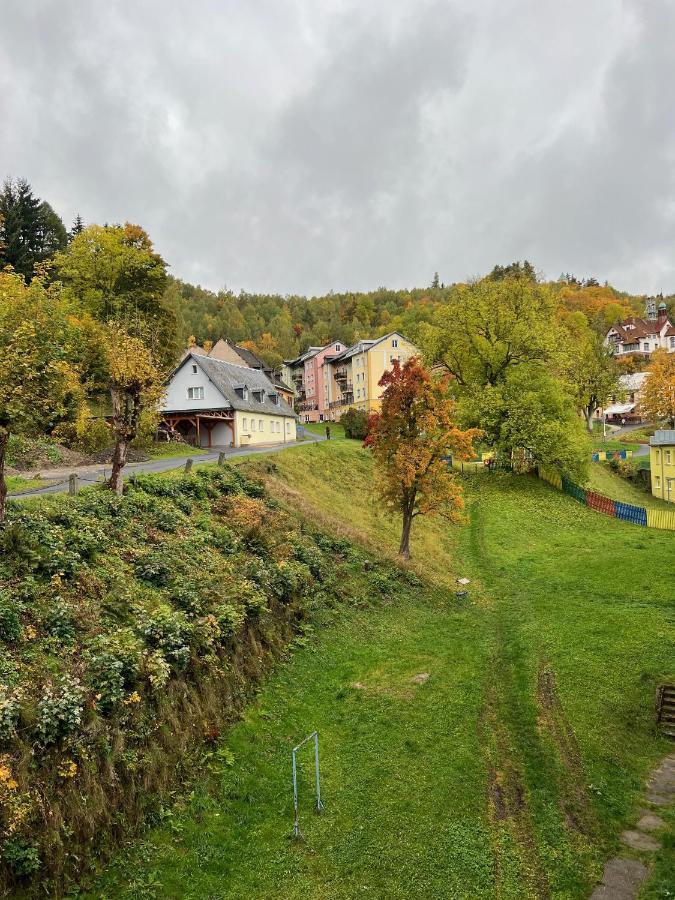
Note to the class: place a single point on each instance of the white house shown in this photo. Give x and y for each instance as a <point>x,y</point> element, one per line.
<point>642,336</point>
<point>213,403</point>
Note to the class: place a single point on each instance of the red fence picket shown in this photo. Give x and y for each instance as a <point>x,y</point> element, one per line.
<point>600,503</point>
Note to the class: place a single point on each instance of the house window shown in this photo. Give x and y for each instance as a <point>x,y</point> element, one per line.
<point>645,347</point>
<point>194,370</point>
<point>288,426</point>
<point>261,424</point>
<point>394,343</point>
<point>667,457</point>
<point>195,393</point>
<point>657,481</point>
<point>672,343</point>
<point>252,424</point>
<point>244,424</point>
<point>278,428</point>
<point>658,457</point>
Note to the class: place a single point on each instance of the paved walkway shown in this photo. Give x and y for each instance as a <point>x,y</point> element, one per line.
<point>624,876</point>
<point>57,479</point>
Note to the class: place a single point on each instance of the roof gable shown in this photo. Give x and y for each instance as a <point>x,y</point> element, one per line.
<point>229,378</point>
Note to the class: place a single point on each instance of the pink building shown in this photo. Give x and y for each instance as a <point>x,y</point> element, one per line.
<point>317,383</point>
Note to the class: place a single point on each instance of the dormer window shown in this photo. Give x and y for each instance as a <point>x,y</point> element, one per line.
<point>241,390</point>
<point>274,397</point>
<point>259,394</point>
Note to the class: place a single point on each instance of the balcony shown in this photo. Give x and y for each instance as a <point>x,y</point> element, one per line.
<point>341,373</point>
<point>308,407</point>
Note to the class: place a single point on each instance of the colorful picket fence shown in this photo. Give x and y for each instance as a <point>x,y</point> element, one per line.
<point>606,455</point>
<point>637,515</point>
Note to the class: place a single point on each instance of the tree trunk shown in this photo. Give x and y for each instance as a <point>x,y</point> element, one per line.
<point>119,461</point>
<point>588,413</point>
<point>404,549</point>
<point>4,437</point>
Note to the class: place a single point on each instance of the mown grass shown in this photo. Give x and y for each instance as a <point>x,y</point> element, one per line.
<point>509,773</point>
<point>337,432</point>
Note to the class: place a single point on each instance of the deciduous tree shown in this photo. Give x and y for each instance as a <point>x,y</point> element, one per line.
<point>657,399</point>
<point>38,384</point>
<point>135,388</point>
<point>590,370</point>
<point>491,326</point>
<point>114,273</point>
<point>409,438</point>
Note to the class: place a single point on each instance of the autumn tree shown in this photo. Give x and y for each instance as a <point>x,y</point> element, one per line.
<point>657,398</point>
<point>38,384</point>
<point>409,438</point>
<point>135,387</point>
<point>114,273</point>
<point>589,368</point>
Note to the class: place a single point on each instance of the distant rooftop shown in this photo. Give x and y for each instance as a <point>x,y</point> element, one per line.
<point>663,436</point>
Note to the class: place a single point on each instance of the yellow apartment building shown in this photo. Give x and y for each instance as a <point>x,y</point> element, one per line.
<point>662,463</point>
<point>355,374</point>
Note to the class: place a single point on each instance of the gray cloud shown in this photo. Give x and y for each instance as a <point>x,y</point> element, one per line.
<point>299,146</point>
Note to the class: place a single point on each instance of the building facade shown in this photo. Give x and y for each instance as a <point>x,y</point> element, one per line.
<point>662,464</point>
<point>641,337</point>
<point>213,403</point>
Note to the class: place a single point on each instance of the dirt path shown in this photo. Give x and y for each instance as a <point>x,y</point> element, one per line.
<point>624,876</point>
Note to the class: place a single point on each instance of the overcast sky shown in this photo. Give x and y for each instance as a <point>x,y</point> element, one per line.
<point>309,145</point>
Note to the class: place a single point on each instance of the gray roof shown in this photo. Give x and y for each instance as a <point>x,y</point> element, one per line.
<point>663,436</point>
<point>225,376</point>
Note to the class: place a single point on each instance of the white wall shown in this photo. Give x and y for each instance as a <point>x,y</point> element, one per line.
<point>176,394</point>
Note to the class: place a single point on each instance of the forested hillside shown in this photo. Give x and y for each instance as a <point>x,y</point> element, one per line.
<point>281,327</point>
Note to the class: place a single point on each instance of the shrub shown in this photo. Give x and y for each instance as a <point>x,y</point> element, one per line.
<point>154,568</point>
<point>168,631</point>
<point>355,424</point>
<point>230,618</point>
<point>59,711</point>
<point>59,621</point>
<point>93,436</point>
<point>21,856</point>
<point>10,616</point>
<point>9,713</point>
<point>115,662</point>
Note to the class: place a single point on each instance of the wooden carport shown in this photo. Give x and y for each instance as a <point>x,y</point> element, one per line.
<point>207,419</point>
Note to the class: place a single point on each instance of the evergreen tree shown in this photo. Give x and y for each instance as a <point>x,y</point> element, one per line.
<point>30,230</point>
<point>78,227</point>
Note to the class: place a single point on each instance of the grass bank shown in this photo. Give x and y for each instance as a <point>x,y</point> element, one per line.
<point>479,748</point>
<point>132,631</point>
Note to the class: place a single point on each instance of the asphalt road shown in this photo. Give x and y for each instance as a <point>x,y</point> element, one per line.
<point>88,475</point>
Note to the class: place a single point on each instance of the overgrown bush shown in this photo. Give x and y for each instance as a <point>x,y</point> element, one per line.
<point>355,423</point>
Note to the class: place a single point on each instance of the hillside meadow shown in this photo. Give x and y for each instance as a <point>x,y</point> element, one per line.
<point>490,746</point>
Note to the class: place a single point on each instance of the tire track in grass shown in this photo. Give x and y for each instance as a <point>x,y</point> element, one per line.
<point>537,785</point>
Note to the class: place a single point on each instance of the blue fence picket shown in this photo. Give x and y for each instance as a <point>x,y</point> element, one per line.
<point>629,513</point>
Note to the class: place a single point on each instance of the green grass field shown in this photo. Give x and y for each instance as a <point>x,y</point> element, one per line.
<point>337,432</point>
<point>508,773</point>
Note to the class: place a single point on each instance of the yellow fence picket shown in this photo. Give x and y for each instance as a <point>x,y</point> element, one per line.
<point>661,518</point>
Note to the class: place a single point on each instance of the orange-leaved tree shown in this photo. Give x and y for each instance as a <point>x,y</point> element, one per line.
<point>409,438</point>
<point>657,398</point>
